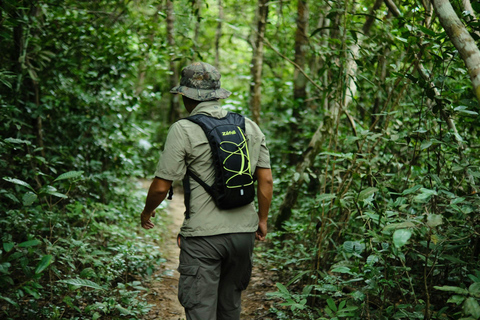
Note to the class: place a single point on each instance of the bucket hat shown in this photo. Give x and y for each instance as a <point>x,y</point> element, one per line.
<point>201,81</point>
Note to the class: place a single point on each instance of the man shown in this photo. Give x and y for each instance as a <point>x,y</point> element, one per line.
<point>216,245</point>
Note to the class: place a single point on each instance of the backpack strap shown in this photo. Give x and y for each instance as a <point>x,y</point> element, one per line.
<point>187,193</point>
<point>187,189</point>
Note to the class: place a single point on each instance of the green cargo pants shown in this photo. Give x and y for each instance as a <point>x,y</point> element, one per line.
<point>214,271</point>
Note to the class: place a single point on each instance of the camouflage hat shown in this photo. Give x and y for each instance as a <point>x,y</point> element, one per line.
<point>201,81</point>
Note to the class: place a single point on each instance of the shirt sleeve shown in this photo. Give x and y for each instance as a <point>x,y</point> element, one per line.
<point>264,157</point>
<point>171,165</point>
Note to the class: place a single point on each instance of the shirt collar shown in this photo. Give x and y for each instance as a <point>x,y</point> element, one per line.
<point>208,107</point>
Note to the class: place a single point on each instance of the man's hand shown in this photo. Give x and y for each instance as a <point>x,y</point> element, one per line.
<point>261,231</point>
<point>156,193</point>
<point>145,219</point>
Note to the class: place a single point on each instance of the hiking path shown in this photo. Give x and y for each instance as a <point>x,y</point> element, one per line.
<point>163,289</point>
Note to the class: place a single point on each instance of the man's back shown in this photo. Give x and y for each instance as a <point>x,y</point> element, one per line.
<point>187,146</point>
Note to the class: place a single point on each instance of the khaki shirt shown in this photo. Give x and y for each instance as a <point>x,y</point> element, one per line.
<point>187,146</point>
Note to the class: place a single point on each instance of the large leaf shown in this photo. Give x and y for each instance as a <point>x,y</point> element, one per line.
<point>401,236</point>
<point>471,307</point>
<point>452,289</point>
<point>29,243</point>
<point>425,195</point>
<point>474,289</point>
<point>326,196</point>
<point>364,194</point>
<point>29,198</point>
<point>69,175</point>
<point>19,182</point>
<point>82,283</point>
<point>7,246</point>
<point>9,300</point>
<point>44,263</point>
<point>434,220</point>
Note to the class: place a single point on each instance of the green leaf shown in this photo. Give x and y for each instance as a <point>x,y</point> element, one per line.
<point>426,30</point>
<point>342,270</point>
<point>58,194</point>
<point>452,289</point>
<point>353,246</point>
<point>434,220</point>
<point>123,311</point>
<point>4,267</point>
<point>400,225</point>
<point>412,190</point>
<point>29,198</point>
<point>401,236</point>
<point>364,194</point>
<point>338,155</point>
<point>457,200</point>
<point>44,263</point>
<point>19,182</point>
<point>456,299</point>
<point>29,243</point>
<point>326,196</point>
<point>425,145</point>
<point>476,6</point>
<point>465,110</point>
<point>331,304</point>
<point>9,301</point>
<point>471,307</point>
<point>474,289</point>
<point>372,259</point>
<point>425,195</point>
<point>8,246</point>
<point>17,141</point>
<point>82,283</point>
<point>282,288</point>
<point>69,175</point>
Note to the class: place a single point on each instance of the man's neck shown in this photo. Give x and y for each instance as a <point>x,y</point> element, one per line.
<point>190,104</point>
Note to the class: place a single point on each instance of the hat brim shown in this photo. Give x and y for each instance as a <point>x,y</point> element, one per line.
<point>201,94</point>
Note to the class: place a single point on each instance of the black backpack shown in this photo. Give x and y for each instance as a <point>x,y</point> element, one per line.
<point>234,182</point>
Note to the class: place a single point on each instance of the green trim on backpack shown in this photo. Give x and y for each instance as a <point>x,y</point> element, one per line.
<point>234,182</point>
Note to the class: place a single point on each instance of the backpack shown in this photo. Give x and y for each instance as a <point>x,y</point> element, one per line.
<point>234,183</point>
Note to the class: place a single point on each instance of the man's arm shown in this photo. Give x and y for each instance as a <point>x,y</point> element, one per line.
<point>264,196</point>
<point>156,194</point>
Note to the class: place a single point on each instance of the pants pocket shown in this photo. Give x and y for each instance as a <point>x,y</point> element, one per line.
<point>188,286</point>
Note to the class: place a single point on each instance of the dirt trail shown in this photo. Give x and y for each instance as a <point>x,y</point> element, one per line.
<point>163,290</point>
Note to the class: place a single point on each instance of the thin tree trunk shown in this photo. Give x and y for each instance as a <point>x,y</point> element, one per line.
<point>218,34</point>
<point>197,6</point>
<point>324,129</point>
<point>257,60</point>
<point>299,80</point>
<point>174,112</point>
<point>301,43</point>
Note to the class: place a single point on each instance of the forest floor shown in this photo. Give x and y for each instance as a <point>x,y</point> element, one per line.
<point>163,289</point>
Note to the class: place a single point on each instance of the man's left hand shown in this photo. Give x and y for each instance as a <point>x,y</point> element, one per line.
<point>145,220</point>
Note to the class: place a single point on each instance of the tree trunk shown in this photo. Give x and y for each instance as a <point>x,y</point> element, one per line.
<point>461,39</point>
<point>174,112</point>
<point>324,130</point>
<point>301,43</point>
<point>257,61</point>
<point>218,34</point>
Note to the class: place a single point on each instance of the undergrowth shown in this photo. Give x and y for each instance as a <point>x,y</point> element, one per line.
<point>74,259</point>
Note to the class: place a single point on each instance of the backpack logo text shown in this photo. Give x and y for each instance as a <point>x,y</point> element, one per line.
<point>228,133</point>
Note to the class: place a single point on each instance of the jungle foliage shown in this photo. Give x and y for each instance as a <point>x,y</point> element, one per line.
<point>378,135</point>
